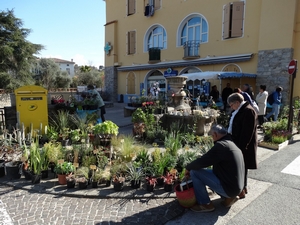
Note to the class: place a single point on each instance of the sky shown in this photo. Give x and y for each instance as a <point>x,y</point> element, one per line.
<point>68,29</point>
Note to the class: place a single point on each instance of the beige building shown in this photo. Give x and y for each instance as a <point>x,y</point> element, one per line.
<point>250,41</point>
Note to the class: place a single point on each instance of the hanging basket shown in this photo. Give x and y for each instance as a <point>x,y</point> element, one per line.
<point>186,198</point>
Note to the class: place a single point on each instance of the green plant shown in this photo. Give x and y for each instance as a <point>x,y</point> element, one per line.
<point>118,169</point>
<point>64,168</point>
<point>60,122</point>
<point>102,159</point>
<point>75,135</point>
<point>203,144</point>
<point>138,116</point>
<point>52,134</point>
<point>134,172</point>
<point>107,127</point>
<point>44,159</point>
<point>53,151</point>
<point>143,158</point>
<point>129,148</point>
<point>35,158</point>
<point>276,131</point>
<point>162,162</point>
<point>173,142</point>
<point>185,158</point>
<point>97,175</point>
<point>83,172</point>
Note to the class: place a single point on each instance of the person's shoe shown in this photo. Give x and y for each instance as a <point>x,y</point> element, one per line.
<point>203,207</point>
<point>242,194</point>
<point>228,202</point>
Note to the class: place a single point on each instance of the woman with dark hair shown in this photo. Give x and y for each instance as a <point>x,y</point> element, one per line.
<point>261,100</point>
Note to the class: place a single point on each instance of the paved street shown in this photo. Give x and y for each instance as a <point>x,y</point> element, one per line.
<point>25,207</point>
<point>273,198</point>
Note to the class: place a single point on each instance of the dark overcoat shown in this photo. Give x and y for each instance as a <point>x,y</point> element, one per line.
<point>244,134</point>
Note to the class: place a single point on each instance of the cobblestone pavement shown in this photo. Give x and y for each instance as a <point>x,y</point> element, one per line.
<point>25,207</point>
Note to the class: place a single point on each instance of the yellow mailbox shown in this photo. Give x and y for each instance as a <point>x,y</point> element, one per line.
<point>32,107</point>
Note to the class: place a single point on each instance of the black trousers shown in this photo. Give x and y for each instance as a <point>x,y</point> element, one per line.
<point>261,119</point>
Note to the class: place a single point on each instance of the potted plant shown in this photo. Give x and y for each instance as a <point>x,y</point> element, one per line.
<point>169,181</point>
<point>75,135</point>
<point>118,182</point>
<point>117,170</point>
<point>97,176</point>
<point>135,174</point>
<point>150,182</point>
<point>102,159</point>
<point>52,134</point>
<point>44,163</point>
<point>104,132</point>
<point>107,128</point>
<point>82,174</point>
<point>62,170</point>
<point>138,119</point>
<point>35,163</point>
<point>54,152</point>
<point>71,181</point>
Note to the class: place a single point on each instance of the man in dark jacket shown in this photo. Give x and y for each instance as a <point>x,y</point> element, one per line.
<point>227,175</point>
<point>225,93</point>
<point>243,130</point>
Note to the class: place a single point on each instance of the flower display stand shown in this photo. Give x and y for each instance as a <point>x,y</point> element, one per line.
<point>273,146</point>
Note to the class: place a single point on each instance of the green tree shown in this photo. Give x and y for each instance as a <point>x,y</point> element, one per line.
<point>4,80</point>
<point>49,70</point>
<point>63,80</point>
<point>92,77</point>
<point>85,69</point>
<point>16,53</point>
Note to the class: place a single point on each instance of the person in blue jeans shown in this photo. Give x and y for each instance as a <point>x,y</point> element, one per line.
<point>226,176</point>
<point>277,96</point>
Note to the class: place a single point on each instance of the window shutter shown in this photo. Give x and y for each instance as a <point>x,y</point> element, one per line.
<point>127,42</point>
<point>131,7</point>
<point>131,42</point>
<point>237,19</point>
<point>226,21</point>
<point>157,4</point>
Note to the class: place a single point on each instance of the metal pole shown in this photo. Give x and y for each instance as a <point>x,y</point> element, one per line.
<point>291,108</point>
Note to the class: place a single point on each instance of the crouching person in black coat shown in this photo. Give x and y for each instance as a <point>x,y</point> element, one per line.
<point>226,176</point>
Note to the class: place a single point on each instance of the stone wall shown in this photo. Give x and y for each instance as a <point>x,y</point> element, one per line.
<point>111,83</point>
<point>272,70</point>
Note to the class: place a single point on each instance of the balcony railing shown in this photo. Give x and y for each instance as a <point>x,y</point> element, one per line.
<point>154,55</point>
<point>191,49</point>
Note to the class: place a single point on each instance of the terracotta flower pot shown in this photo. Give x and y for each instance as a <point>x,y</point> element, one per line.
<point>62,179</point>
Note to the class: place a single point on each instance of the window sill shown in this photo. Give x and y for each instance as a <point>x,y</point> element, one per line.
<point>153,61</point>
<point>191,57</point>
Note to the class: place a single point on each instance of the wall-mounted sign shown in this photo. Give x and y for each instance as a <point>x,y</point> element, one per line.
<point>170,73</point>
<point>107,48</point>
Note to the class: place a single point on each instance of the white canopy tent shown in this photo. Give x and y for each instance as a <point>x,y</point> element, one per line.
<point>202,75</point>
<point>212,76</point>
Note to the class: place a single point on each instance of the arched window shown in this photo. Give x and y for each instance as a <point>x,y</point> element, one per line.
<point>155,37</point>
<point>131,83</point>
<point>194,28</point>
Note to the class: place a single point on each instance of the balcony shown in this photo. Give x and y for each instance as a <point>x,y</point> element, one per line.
<point>154,55</point>
<point>191,50</point>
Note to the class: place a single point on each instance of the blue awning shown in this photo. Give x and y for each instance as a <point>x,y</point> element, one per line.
<point>207,75</point>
